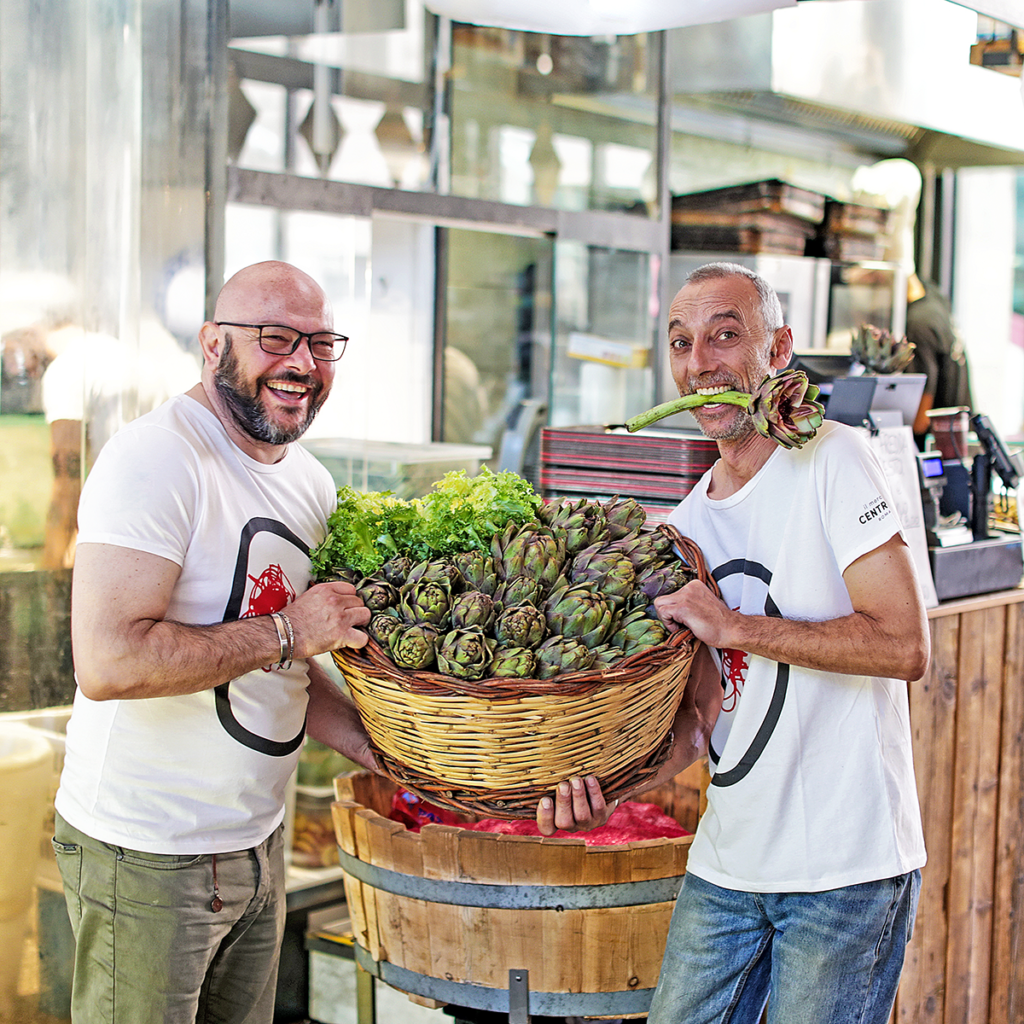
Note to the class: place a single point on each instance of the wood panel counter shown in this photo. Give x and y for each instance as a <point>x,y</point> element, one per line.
<point>965,964</point>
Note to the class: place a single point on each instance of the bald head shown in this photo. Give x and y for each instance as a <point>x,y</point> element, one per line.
<point>273,292</point>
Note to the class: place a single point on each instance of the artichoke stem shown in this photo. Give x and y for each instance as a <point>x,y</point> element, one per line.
<point>659,412</point>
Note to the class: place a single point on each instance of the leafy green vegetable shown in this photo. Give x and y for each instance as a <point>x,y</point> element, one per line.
<point>363,531</point>
<point>460,514</point>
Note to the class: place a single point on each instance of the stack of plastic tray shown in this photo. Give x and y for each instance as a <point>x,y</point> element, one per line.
<point>656,467</point>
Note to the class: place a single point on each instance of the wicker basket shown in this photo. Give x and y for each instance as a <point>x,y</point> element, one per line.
<point>496,746</point>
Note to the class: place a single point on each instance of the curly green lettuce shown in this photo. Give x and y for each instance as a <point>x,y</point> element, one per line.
<point>460,513</point>
<point>463,513</point>
<point>365,530</point>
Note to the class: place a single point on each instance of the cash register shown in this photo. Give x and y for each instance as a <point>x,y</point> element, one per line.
<point>968,556</point>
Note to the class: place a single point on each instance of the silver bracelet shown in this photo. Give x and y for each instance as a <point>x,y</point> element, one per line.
<point>285,637</point>
<point>286,657</point>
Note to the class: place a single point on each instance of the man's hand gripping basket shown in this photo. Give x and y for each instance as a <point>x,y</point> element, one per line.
<point>495,746</point>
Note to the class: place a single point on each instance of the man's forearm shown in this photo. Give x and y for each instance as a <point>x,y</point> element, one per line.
<point>166,658</point>
<point>332,719</point>
<point>855,644</point>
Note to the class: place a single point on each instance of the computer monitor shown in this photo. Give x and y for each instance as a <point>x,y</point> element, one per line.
<point>849,400</point>
<point>896,399</point>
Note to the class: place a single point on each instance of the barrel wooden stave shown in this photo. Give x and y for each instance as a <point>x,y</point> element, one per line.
<point>593,950</point>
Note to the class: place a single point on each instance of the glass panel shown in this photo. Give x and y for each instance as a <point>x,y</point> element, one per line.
<point>378,274</point>
<point>607,315</point>
<point>343,104</point>
<point>559,121</point>
<point>497,339</point>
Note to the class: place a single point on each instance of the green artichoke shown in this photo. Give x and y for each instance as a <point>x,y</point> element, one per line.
<point>605,656</point>
<point>413,647</point>
<point>562,654</point>
<point>396,569</point>
<point>382,625</point>
<point>578,611</point>
<point>513,663</point>
<point>426,602</point>
<point>465,654</point>
<point>477,568</point>
<point>643,548</point>
<point>473,609</point>
<point>783,408</point>
<point>437,569</point>
<point>377,594</point>
<point>664,579</point>
<point>341,575</point>
<point>580,523</point>
<point>530,550</point>
<point>522,625</point>
<point>637,631</point>
<point>624,517</point>
<point>881,351</point>
<point>607,569</point>
<point>519,590</point>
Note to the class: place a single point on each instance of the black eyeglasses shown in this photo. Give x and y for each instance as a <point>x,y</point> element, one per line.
<point>278,340</point>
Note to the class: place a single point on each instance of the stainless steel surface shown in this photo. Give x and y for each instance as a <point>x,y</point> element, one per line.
<point>865,72</point>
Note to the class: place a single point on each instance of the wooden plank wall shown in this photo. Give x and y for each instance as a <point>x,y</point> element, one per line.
<point>965,964</point>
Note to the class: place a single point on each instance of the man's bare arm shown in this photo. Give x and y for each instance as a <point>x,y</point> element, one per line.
<point>331,718</point>
<point>124,647</point>
<point>885,635</point>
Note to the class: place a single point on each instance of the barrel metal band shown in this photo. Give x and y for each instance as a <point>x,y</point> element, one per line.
<point>508,897</point>
<point>634,1002</point>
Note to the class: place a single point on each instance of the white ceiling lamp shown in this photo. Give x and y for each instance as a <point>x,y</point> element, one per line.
<point>598,17</point>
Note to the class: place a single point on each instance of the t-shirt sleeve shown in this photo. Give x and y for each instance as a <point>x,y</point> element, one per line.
<point>142,493</point>
<point>857,507</point>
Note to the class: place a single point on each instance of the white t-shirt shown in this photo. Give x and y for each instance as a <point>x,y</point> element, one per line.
<point>812,772</point>
<point>204,772</point>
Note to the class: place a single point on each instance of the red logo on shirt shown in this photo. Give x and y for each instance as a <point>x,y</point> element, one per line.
<point>734,671</point>
<point>271,591</point>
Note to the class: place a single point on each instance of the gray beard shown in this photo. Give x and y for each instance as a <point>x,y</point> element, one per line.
<point>248,411</point>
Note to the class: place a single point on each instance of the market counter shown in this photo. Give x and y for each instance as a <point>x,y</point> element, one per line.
<point>965,964</point>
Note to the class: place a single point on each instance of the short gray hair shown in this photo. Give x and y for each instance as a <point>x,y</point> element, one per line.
<point>771,308</point>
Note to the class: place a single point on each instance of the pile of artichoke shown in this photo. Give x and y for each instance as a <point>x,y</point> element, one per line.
<point>568,591</point>
<point>881,351</point>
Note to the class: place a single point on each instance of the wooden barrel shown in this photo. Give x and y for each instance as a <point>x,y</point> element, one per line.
<point>447,913</point>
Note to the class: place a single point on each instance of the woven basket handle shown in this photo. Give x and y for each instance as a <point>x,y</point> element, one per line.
<point>690,554</point>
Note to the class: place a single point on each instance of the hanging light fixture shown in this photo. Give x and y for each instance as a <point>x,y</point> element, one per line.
<point>396,143</point>
<point>598,17</point>
<point>321,127</point>
<point>546,165</point>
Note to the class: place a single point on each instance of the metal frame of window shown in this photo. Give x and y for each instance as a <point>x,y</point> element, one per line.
<point>286,191</point>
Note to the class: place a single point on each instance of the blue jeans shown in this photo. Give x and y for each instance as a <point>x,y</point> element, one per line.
<point>831,957</point>
<point>150,948</point>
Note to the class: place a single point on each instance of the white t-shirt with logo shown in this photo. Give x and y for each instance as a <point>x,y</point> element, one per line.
<point>203,772</point>
<point>812,772</point>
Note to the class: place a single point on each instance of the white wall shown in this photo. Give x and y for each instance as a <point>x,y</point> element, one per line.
<point>983,293</point>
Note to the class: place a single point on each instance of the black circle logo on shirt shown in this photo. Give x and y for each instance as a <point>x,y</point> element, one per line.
<point>222,696</point>
<point>739,771</point>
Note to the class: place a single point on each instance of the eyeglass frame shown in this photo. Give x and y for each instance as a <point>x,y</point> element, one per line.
<point>259,328</point>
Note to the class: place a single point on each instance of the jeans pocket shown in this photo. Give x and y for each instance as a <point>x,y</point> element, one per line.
<point>161,861</point>
<point>69,864</point>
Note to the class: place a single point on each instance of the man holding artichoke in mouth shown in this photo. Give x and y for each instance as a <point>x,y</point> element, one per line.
<point>803,878</point>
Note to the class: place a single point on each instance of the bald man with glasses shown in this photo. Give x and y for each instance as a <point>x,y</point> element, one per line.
<point>193,629</point>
